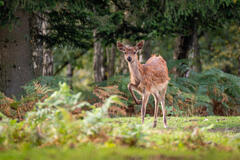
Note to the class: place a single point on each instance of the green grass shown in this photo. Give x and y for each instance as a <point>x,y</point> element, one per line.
<point>179,123</point>
<point>186,138</point>
<point>223,131</point>
<point>92,152</point>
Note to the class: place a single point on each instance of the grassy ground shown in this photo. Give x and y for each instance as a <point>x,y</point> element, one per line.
<point>224,124</point>
<point>186,138</point>
<point>91,152</point>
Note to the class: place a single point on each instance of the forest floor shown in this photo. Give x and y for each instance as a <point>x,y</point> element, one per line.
<point>210,137</point>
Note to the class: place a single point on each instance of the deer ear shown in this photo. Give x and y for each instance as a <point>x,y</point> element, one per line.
<point>120,47</point>
<point>140,44</point>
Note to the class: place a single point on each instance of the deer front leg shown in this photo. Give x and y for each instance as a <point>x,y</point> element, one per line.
<point>144,104</point>
<point>130,86</point>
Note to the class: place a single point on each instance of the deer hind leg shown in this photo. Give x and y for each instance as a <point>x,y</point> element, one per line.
<point>145,98</point>
<point>130,88</point>
<point>162,101</point>
<point>156,100</point>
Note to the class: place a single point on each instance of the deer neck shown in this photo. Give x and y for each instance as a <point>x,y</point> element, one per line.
<point>135,72</point>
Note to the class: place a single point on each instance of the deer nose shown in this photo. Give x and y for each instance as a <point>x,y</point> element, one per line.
<point>129,59</point>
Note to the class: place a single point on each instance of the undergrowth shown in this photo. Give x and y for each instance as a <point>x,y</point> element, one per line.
<point>34,91</point>
<point>211,92</point>
<point>52,123</point>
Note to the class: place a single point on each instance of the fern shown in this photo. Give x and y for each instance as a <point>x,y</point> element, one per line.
<point>36,90</point>
<point>43,85</point>
<point>207,93</point>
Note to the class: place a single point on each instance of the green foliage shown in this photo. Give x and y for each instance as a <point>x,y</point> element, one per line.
<point>1,3</point>
<point>93,125</point>
<point>149,19</point>
<point>213,89</point>
<point>181,16</point>
<point>63,97</point>
<point>52,122</point>
<point>220,49</point>
<point>73,29</point>
<point>52,82</point>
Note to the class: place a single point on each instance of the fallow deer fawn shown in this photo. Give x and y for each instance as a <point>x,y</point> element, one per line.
<point>149,78</point>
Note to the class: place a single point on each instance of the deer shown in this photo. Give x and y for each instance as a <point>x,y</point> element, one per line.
<point>146,79</point>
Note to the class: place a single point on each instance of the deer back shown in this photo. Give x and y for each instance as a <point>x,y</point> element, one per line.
<point>154,72</point>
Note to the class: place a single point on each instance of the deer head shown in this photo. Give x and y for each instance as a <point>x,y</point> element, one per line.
<point>130,53</point>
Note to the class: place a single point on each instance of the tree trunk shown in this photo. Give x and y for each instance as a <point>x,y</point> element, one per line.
<point>147,51</point>
<point>37,44</point>
<point>70,74</point>
<point>16,67</point>
<point>121,65</point>
<point>183,45</point>
<point>111,64</point>
<point>47,54</point>
<point>47,69</point>
<point>197,66</point>
<point>42,56</point>
<point>239,66</point>
<point>98,60</point>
